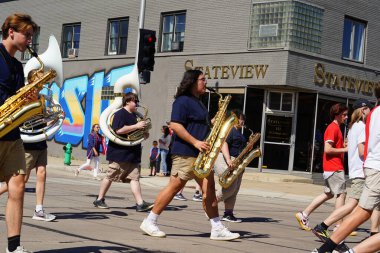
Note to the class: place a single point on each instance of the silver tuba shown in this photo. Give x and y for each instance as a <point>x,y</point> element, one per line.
<point>130,80</point>
<point>44,125</point>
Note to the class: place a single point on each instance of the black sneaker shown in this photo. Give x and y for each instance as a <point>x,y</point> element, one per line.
<point>100,203</point>
<point>231,218</point>
<point>321,233</point>
<point>145,206</point>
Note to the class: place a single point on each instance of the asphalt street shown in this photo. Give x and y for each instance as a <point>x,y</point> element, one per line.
<point>267,210</point>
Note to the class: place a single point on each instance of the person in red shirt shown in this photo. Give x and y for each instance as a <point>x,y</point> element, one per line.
<point>333,169</point>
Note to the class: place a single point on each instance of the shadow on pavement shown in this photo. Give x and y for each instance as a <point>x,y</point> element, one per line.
<point>259,219</point>
<point>107,197</point>
<point>167,208</point>
<point>89,215</point>
<point>245,235</point>
<point>99,249</point>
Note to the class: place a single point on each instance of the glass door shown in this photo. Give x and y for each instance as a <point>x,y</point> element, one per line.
<point>279,128</point>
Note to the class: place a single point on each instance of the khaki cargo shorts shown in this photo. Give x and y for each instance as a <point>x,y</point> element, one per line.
<point>12,159</point>
<point>183,167</point>
<point>336,183</point>
<point>35,158</point>
<point>123,172</point>
<point>356,189</point>
<point>370,198</point>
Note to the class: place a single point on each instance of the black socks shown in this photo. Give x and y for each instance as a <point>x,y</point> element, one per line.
<point>13,242</point>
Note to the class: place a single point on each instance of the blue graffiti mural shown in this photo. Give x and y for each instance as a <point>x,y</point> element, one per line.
<point>80,98</point>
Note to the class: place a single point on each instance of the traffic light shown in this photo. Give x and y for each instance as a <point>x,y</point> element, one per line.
<point>147,48</point>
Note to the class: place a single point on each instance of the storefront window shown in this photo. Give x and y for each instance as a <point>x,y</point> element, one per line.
<point>304,133</point>
<point>254,113</point>
<point>275,101</point>
<point>280,101</point>
<point>276,156</point>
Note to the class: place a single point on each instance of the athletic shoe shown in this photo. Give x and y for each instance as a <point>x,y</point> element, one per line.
<point>151,228</point>
<point>20,249</point>
<point>179,196</point>
<point>231,218</point>
<point>100,203</point>
<point>145,206</point>
<point>76,172</point>
<point>321,233</point>
<point>43,216</point>
<point>223,234</point>
<point>197,197</point>
<point>303,221</point>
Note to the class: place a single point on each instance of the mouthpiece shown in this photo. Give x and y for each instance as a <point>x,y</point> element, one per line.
<point>31,51</point>
<point>211,89</point>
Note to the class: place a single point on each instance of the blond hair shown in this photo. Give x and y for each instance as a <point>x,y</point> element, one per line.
<point>356,116</point>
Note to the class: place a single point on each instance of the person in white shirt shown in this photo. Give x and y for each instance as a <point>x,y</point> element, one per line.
<point>164,143</point>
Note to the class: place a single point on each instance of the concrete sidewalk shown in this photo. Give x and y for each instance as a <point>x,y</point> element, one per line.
<point>261,184</point>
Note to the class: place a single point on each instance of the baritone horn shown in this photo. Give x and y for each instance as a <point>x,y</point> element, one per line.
<point>130,80</point>
<point>240,162</point>
<point>44,125</point>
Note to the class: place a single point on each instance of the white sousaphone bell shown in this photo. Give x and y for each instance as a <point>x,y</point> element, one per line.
<point>43,126</point>
<point>130,80</point>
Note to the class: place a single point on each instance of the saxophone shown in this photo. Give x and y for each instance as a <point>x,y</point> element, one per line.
<point>18,107</point>
<point>219,132</point>
<point>240,162</point>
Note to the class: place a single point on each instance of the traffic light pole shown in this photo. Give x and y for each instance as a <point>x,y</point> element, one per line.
<point>141,25</point>
<point>144,76</point>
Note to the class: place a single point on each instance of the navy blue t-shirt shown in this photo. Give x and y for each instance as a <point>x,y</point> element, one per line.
<point>193,115</point>
<point>119,153</point>
<point>11,80</point>
<point>236,142</point>
<point>41,145</point>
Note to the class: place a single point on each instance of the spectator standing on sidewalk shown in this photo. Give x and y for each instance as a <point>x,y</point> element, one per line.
<point>124,161</point>
<point>334,149</point>
<point>164,143</point>
<point>154,155</point>
<point>93,151</point>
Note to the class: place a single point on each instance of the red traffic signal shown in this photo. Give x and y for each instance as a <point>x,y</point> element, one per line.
<point>147,49</point>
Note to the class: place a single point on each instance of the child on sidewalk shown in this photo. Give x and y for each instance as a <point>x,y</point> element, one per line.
<point>154,154</point>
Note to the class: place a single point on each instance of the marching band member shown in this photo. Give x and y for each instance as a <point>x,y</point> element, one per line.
<point>233,146</point>
<point>17,35</point>
<point>191,125</point>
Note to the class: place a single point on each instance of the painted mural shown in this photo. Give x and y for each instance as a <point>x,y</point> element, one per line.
<point>80,98</point>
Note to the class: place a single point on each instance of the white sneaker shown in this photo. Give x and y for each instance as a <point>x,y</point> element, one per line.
<point>43,216</point>
<point>20,249</point>
<point>151,229</point>
<point>223,234</point>
<point>303,221</point>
